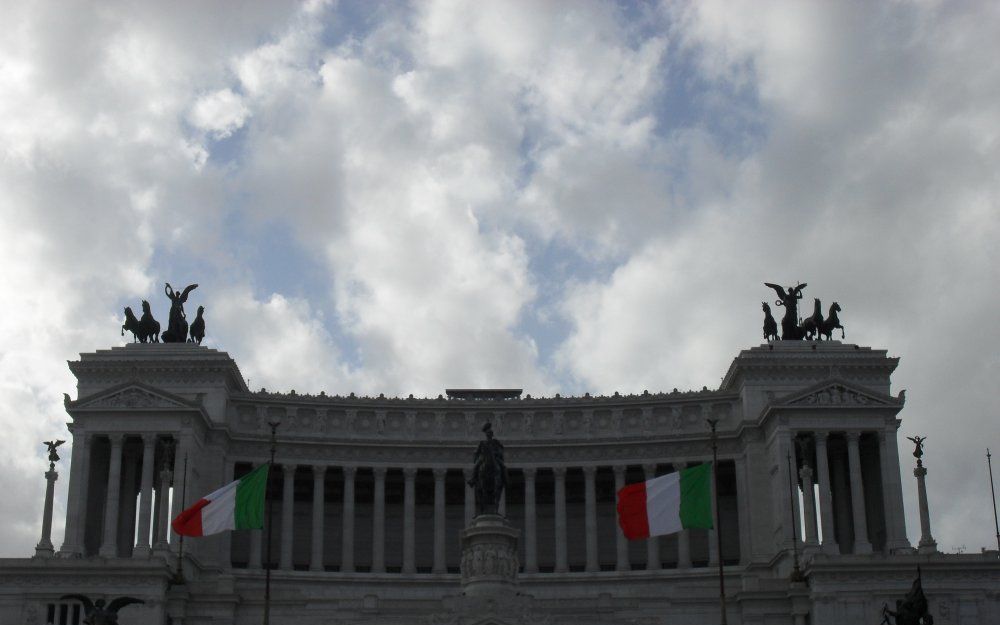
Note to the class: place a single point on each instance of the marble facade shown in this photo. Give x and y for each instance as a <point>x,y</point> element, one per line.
<point>369,500</point>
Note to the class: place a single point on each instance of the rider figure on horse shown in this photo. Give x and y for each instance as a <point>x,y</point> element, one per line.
<point>489,473</point>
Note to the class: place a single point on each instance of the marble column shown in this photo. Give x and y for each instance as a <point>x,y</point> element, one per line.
<point>809,505</point>
<point>590,512</point>
<point>825,495</point>
<point>927,543</point>
<point>562,564</point>
<point>127,512</point>
<point>470,497</point>
<point>109,547</point>
<point>653,542</point>
<point>287,516</point>
<point>180,469</point>
<point>861,544</point>
<point>378,522</point>
<point>142,547</point>
<point>684,536</point>
<point>713,541</point>
<point>255,559</point>
<point>892,490</point>
<point>409,520</point>
<point>319,516</point>
<point>163,509</point>
<point>44,547</point>
<point>76,505</point>
<point>621,543</point>
<point>439,521</point>
<point>347,526</point>
<point>530,522</point>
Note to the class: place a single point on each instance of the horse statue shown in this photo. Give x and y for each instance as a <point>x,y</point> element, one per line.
<point>811,325</point>
<point>149,327</point>
<point>132,325</point>
<point>832,322</point>
<point>770,325</point>
<point>198,327</point>
<point>913,610</point>
<point>489,473</point>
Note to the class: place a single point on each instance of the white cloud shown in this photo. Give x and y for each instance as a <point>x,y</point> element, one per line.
<point>221,112</point>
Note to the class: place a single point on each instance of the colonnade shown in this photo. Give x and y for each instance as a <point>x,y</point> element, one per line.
<point>558,531</point>
<point>857,482</point>
<point>102,516</point>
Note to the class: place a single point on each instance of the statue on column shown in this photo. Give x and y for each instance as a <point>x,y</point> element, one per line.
<point>177,326</point>
<point>53,455</point>
<point>489,473</point>
<point>918,453</point>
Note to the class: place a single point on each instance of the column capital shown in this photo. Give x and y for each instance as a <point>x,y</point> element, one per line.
<point>852,436</point>
<point>116,438</point>
<point>806,473</point>
<point>819,437</point>
<point>529,472</point>
<point>288,467</point>
<point>379,472</point>
<point>649,470</point>
<point>559,472</point>
<point>319,470</point>
<point>439,473</point>
<point>589,471</point>
<point>149,439</point>
<point>409,472</point>
<point>619,469</point>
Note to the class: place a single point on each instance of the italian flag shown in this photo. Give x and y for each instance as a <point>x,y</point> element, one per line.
<point>236,506</point>
<point>667,504</point>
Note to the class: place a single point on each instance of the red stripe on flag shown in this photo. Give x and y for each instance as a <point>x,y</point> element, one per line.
<point>188,522</point>
<point>632,516</point>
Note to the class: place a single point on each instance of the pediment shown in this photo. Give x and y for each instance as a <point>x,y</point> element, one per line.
<point>132,396</point>
<point>839,393</point>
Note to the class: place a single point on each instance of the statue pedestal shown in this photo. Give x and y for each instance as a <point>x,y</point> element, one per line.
<point>489,557</point>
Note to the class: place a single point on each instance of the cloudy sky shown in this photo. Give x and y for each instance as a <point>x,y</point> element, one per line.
<point>560,196</point>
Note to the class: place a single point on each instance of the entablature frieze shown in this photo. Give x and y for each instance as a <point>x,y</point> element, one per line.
<point>449,422</point>
<point>455,456</point>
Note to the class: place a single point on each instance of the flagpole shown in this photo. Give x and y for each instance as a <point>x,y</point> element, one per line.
<point>996,524</point>
<point>267,550</point>
<point>179,575</point>
<point>796,571</point>
<point>718,519</point>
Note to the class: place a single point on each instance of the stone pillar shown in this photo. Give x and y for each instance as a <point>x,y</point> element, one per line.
<point>653,542</point>
<point>287,516</point>
<point>562,564</point>
<point>809,503</point>
<point>180,464</point>
<point>590,511</point>
<point>530,522</point>
<point>713,541</point>
<point>470,497</point>
<point>142,547</point>
<point>684,536</point>
<point>163,509</point>
<point>347,527</point>
<point>409,520</point>
<point>927,543</point>
<point>76,504</point>
<point>861,544</point>
<point>439,521</point>
<point>892,490</point>
<point>319,515</point>
<point>127,511</point>
<point>44,548</point>
<point>256,556</point>
<point>378,522</point>
<point>825,495</point>
<point>109,547</point>
<point>489,564</point>
<point>621,543</point>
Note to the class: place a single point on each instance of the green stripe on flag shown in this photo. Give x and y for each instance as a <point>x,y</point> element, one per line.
<point>249,512</point>
<point>696,497</point>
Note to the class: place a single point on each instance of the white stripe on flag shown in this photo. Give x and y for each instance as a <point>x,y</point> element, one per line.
<point>663,504</point>
<point>220,514</point>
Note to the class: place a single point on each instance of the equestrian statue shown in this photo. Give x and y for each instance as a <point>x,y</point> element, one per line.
<point>489,473</point>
